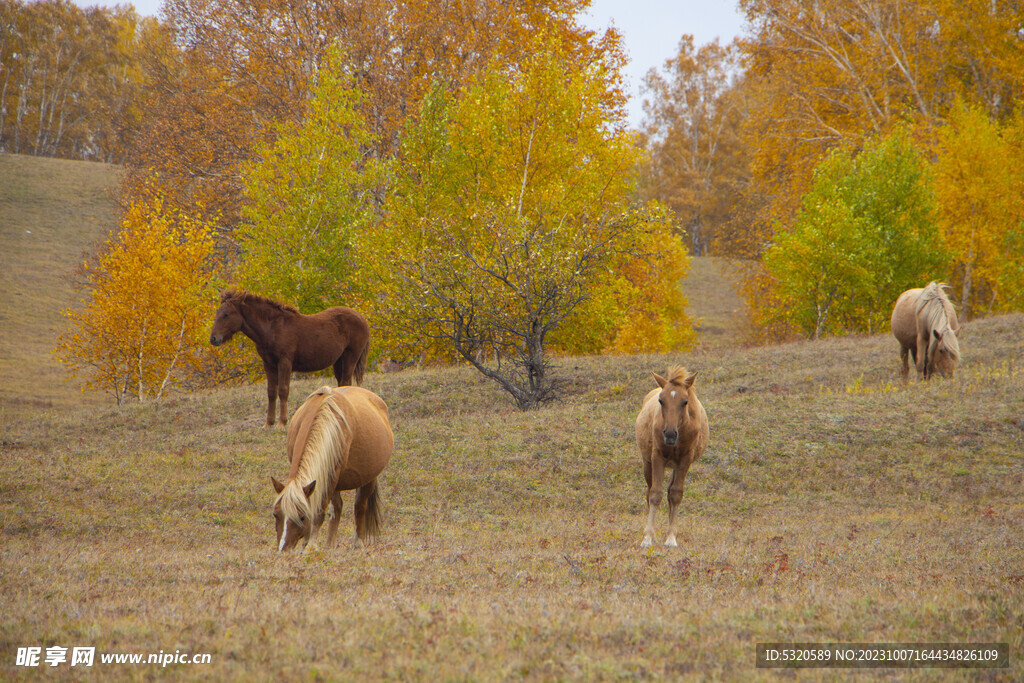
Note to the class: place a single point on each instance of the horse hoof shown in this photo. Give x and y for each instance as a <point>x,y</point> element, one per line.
<point>646,543</point>
<point>671,542</point>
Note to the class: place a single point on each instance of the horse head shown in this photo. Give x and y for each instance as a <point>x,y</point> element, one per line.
<point>943,353</point>
<point>226,322</point>
<point>293,515</point>
<point>673,401</point>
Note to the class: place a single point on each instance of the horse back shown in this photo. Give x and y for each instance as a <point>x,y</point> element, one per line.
<point>319,339</point>
<point>372,439</point>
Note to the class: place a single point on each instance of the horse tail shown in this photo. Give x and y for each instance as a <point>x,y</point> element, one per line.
<point>369,522</point>
<point>360,368</point>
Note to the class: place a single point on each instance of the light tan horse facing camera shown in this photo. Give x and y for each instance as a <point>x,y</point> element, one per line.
<point>339,439</point>
<point>924,323</point>
<point>671,432</point>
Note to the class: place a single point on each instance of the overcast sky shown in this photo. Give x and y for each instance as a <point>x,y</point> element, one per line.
<point>651,28</point>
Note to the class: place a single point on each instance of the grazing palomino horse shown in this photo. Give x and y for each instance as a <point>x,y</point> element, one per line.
<point>340,439</point>
<point>671,432</point>
<point>924,322</point>
<point>288,341</point>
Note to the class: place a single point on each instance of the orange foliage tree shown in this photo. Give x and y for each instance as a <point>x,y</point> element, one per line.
<point>697,162</point>
<point>150,296</point>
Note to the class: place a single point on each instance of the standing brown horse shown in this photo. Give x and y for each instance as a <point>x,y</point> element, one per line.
<point>288,341</point>
<point>672,432</point>
<point>924,323</point>
<point>340,440</point>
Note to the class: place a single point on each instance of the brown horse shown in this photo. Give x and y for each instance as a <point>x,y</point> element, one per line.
<point>339,440</point>
<point>924,323</point>
<point>671,431</point>
<point>288,341</point>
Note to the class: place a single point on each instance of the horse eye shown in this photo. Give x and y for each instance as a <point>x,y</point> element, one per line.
<point>302,518</point>
<point>661,401</point>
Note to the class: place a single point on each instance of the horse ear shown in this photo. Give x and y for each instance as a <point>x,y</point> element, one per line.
<point>278,486</point>
<point>938,335</point>
<point>308,488</point>
<point>660,380</point>
<point>688,382</point>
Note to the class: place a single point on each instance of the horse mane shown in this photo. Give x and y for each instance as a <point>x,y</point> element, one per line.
<point>677,374</point>
<point>938,310</point>
<point>321,453</point>
<point>241,296</point>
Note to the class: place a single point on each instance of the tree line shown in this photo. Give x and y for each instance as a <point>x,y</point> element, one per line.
<point>847,149</point>
<point>463,171</point>
<point>69,79</point>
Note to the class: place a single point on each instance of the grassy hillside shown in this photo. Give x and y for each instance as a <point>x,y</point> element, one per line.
<point>833,504</point>
<point>51,212</point>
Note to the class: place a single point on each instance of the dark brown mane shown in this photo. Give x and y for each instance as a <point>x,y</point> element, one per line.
<point>240,296</point>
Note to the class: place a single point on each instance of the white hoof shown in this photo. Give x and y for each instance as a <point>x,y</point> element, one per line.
<point>671,542</point>
<point>646,543</point>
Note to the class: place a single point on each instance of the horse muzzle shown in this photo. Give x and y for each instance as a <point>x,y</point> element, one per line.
<point>670,437</point>
<point>215,340</point>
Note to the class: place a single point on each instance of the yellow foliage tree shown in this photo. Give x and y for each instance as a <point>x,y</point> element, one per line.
<point>512,228</point>
<point>151,294</point>
<point>980,188</point>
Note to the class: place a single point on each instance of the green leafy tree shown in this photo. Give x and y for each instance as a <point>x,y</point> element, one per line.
<point>865,233</point>
<point>151,295</point>
<point>310,193</point>
<point>512,227</point>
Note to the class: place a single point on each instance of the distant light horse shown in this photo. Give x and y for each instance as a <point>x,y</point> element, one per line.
<point>924,322</point>
<point>340,439</point>
<point>288,341</point>
<point>672,432</point>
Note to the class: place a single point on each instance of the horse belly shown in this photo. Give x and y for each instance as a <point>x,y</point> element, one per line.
<point>313,359</point>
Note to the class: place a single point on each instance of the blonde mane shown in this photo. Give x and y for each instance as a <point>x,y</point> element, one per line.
<point>937,311</point>
<point>677,374</point>
<point>325,448</point>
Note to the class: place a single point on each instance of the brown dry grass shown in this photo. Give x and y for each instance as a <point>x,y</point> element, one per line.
<point>51,212</point>
<point>832,505</point>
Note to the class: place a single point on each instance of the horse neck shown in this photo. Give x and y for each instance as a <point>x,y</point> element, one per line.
<point>257,317</point>
<point>324,454</point>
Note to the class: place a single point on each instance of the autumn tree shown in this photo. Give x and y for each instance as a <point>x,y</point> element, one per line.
<point>310,194</point>
<point>980,189</point>
<point>865,233</point>
<point>512,229</point>
<point>150,295</point>
<point>240,67</point>
<point>67,79</point>
<point>697,164</point>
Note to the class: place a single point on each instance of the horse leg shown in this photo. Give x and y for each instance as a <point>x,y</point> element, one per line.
<point>284,378</point>
<point>343,368</point>
<point>675,497</point>
<point>654,472</point>
<point>905,369</point>
<point>922,356</point>
<point>332,527</point>
<point>271,371</point>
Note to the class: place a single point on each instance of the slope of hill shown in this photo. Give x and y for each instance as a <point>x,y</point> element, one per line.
<point>51,212</point>
<point>833,504</point>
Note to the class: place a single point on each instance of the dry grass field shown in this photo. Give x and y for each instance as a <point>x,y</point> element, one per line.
<point>833,504</point>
